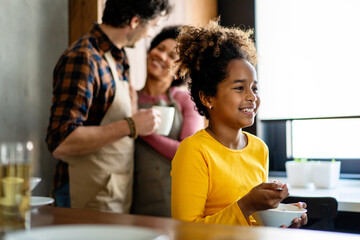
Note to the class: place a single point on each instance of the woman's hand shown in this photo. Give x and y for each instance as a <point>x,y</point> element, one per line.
<point>262,197</point>
<point>298,222</point>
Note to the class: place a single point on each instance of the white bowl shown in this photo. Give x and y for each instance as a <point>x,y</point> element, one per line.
<point>284,214</point>
<point>34,181</point>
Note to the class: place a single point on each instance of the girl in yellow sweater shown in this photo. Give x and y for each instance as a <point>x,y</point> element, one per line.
<point>219,175</point>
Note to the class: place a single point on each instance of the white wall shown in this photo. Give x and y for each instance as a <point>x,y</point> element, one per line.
<point>34,33</point>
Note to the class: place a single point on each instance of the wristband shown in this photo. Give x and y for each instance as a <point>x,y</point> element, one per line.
<point>132,126</point>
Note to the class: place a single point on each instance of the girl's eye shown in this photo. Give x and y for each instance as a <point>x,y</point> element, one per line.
<point>255,89</point>
<point>240,88</point>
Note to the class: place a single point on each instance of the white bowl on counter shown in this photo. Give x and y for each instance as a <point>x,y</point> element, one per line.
<point>34,181</point>
<point>325,174</point>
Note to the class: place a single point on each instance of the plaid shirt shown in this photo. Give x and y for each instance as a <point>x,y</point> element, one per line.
<point>83,89</point>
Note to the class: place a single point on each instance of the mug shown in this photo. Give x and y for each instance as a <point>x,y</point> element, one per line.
<point>167,118</point>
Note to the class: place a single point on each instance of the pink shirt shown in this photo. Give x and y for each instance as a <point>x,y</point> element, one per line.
<point>192,122</point>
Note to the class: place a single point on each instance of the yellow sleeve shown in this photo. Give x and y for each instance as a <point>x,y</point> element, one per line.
<point>267,165</point>
<point>190,183</point>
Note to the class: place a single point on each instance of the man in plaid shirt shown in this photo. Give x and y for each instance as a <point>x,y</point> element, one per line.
<point>94,119</point>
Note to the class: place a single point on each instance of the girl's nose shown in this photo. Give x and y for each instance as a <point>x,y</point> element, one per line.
<point>251,96</point>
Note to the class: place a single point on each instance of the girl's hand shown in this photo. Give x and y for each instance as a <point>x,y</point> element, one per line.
<point>262,197</point>
<point>298,222</point>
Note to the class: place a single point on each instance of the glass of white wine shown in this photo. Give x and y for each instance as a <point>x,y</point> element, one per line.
<point>15,173</point>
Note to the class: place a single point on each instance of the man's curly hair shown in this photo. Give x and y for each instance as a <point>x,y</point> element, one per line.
<point>118,13</point>
<point>205,53</point>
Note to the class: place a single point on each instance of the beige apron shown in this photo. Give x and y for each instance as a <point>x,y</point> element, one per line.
<point>103,179</point>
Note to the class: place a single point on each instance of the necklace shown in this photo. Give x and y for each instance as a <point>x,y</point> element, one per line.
<point>239,145</point>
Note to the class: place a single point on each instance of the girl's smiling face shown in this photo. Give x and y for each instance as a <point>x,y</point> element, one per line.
<point>236,101</point>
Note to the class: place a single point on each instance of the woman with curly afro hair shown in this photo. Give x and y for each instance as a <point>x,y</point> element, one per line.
<point>219,175</point>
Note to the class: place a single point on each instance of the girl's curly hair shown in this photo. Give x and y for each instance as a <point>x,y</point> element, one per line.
<point>205,53</point>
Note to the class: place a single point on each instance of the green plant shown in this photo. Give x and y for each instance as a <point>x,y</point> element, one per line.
<point>300,159</point>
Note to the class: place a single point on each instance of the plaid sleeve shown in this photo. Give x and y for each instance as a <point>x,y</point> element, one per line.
<point>73,84</point>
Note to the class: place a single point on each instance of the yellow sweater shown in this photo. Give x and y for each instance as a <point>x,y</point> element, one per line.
<point>208,178</point>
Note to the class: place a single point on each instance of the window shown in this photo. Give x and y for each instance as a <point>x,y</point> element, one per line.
<point>325,138</point>
<point>315,139</point>
<point>307,70</point>
<point>308,58</point>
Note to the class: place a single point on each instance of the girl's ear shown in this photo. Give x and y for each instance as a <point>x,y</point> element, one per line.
<point>205,100</point>
<point>134,22</point>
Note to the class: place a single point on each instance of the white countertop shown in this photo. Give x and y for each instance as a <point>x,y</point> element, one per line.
<point>347,193</point>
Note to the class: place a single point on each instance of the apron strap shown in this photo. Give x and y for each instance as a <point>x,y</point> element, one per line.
<point>109,58</point>
<point>122,86</point>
